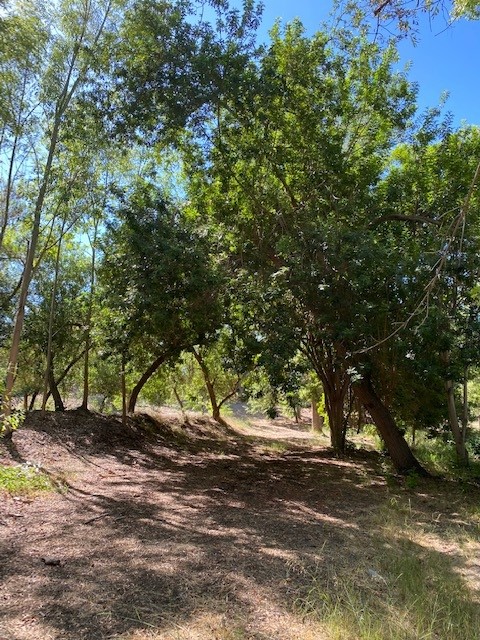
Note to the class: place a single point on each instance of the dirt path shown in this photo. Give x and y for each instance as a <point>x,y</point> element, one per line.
<point>178,535</point>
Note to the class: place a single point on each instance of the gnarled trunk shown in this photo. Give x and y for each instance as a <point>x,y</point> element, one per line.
<point>397,447</point>
<point>57,398</point>
<point>328,364</point>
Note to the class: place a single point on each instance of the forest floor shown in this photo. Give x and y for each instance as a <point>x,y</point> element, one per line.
<point>174,530</point>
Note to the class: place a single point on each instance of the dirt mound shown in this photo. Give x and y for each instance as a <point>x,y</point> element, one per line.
<point>85,432</point>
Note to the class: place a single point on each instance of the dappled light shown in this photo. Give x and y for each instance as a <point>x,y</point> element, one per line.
<point>155,539</point>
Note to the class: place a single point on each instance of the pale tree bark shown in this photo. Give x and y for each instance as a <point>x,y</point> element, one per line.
<point>26,278</point>
<point>88,330</point>
<point>317,419</point>
<point>458,431</point>
<point>123,385</point>
<point>465,405</point>
<point>12,163</point>
<point>49,376</point>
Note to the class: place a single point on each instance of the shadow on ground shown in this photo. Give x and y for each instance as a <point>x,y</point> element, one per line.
<point>161,523</point>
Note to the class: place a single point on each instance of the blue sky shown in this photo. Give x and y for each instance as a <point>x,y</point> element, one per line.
<point>443,59</point>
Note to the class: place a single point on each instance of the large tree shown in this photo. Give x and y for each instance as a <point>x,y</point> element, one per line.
<point>295,164</point>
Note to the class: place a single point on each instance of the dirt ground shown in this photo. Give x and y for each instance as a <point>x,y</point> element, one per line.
<point>175,530</point>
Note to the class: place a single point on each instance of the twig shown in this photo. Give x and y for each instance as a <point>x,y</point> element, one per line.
<point>103,515</point>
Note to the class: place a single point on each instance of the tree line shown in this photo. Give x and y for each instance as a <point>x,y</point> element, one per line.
<point>178,202</point>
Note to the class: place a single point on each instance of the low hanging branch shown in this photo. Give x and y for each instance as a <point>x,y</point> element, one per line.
<point>423,304</point>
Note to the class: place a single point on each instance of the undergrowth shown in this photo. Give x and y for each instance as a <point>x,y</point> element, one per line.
<point>24,479</point>
<point>413,590</point>
<point>440,458</point>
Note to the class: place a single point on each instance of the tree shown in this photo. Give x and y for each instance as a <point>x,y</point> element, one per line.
<point>294,167</point>
<point>57,302</point>
<point>433,179</point>
<point>159,282</point>
<point>69,53</point>
<point>405,15</point>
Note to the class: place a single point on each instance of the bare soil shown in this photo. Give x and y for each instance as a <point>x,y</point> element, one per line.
<point>175,529</point>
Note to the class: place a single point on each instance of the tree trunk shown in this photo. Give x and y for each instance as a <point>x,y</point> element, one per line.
<point>360,416</point>
<point>397,447</point>
<point>64,373</point>
<point>297,411</point>
<point>336,419</point>
<point>210,386</point>
<point>465,408</point>
<point>317,419</point>
<point>57,398</point>
<point>457,431</point>
<point>31,406</point>
<point>178,399</point>
<point>328,362</point>
<point>49,364</point>
<point>88,331</point>
<point>124,391</point>
<point>144,379</point>
<point>62,103</point>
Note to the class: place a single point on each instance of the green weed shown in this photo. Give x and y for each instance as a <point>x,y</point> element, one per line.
<point>409,598</point>
<point>11,422</point>
<point>24,479</point>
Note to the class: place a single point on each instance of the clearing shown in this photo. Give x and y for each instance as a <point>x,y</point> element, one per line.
<point>173,530</point>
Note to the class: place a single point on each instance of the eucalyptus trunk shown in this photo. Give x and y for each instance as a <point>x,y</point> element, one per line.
<point>49,364</point>
<point>88,330</point>
<point>458,432</point>
<point>26,278</point>
<point>123,385</point>
<point>75,73</point>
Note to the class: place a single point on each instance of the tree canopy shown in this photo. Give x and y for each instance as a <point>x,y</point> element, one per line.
<point>176,198</point>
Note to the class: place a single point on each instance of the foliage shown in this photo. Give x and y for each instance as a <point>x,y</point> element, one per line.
<point>157,280</point>
<point>24,479</point>
<point>12,422</point>
<point>405,16</point>
<point>439,457</point>
<point>232,185</point>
